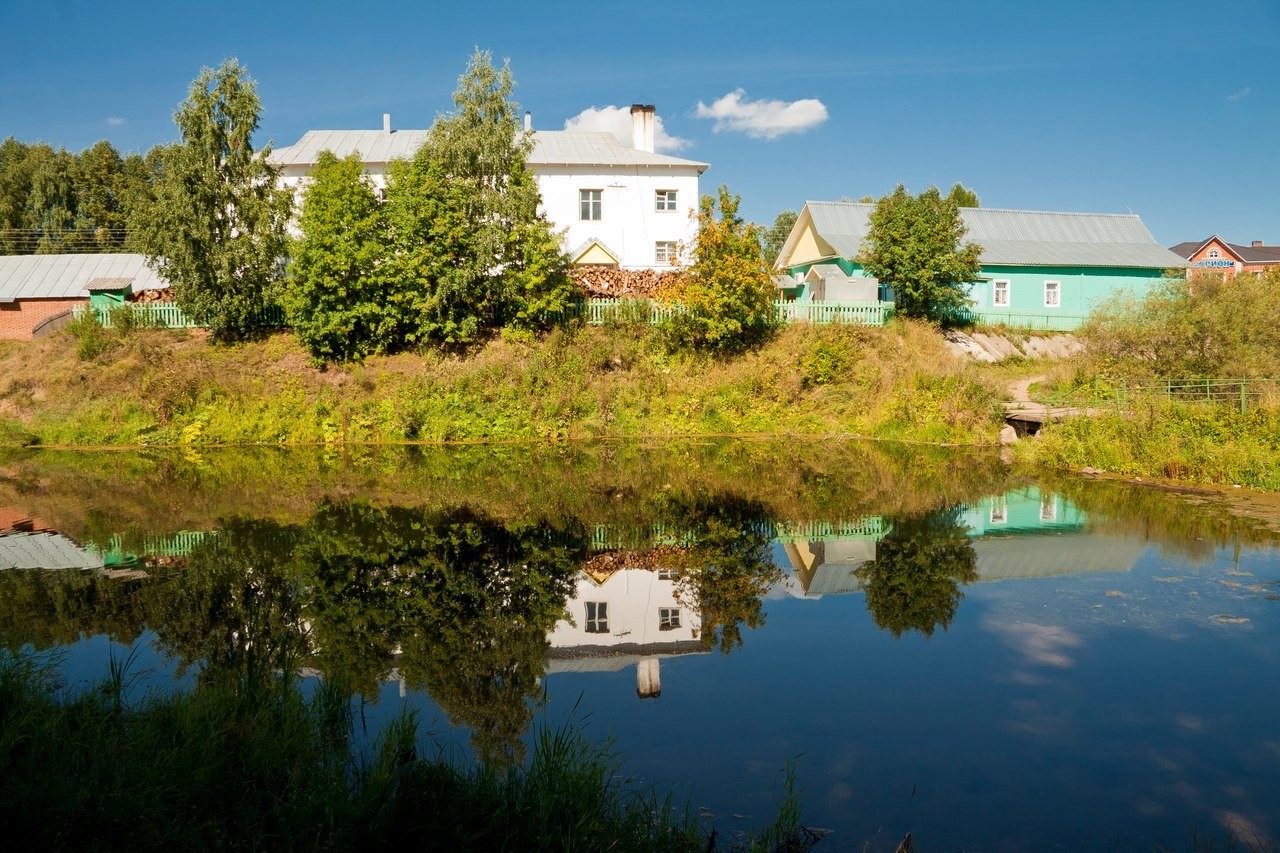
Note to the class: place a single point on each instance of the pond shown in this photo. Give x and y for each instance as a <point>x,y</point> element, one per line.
<point>987,660</point>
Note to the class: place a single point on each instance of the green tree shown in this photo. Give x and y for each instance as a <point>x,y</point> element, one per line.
<point>216,227</point>
<point>53,203</point>
<point>773,237</point>
<point>962,196</point>
<point>469,248</point>
<point>728,294</point>
<point>913,583</point>
<point>102,188</point>
<point>914,246</point>
<point>335,293</point>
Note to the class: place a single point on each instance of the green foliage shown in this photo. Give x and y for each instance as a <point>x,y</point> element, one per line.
<point>92,340</point>
<point>914,246</point>
<point>830,354</point>
<point>913,583</point>
<point>962,196</point>
<point>215,227</point>
<point>336,294</point>
<point>1186,328</point>
<point>728,294</point>
<point>773,237</point>
<point>469,251</point>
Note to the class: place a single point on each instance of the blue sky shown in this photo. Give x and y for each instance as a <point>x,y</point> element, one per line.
<point>1169,109</point>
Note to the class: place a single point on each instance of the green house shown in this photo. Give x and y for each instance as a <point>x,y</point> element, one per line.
<point>1049,269</point>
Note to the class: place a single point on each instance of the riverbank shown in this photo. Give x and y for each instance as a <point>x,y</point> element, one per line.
<point>151,387</point>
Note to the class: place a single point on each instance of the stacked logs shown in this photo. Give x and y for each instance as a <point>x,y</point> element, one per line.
<point>611,283</point>
<point>156,295</point>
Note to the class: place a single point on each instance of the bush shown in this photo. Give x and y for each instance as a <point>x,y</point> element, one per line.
<point>92,340</point>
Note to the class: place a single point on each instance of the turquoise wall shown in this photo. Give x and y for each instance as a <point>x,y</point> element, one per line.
<point>1081,289</point>
<point>1026,510</point>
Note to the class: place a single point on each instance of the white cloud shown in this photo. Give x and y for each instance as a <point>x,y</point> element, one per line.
<point>617,120</point>
<point>763,119</point>
<point>115,121</point>
<point>1241,95</point>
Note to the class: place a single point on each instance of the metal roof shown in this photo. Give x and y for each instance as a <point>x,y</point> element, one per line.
<point>44,551</point>
<point>68,276</point>
<point>1020,237</point>
<point>825,271</point>
<point>1247,254</point>
<point>550,148</point>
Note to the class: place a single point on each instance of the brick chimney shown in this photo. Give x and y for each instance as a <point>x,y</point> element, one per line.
<point>643,119</point>
<point>1257,243</point>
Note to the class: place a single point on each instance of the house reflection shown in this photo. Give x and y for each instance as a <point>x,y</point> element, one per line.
<point>626,610</point>
<point>1009,533</point>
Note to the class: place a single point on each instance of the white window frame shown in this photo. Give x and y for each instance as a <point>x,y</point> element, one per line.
<point>999,510</point>
<point>591,202</point>
<point>1213,253</point>
<point>1049,508</point>
<point>668,618</point>
<point>1057,291</point>
<point>995,292</point>
<point>597,617</point>
<point>665,252</point>
<point>666,574</point>
<point>665,201</point>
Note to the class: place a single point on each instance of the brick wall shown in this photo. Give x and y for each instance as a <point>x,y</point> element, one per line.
<point>18,318</point>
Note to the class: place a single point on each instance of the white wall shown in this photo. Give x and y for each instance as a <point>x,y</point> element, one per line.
<point>630,223</point>
<point>633,596</point>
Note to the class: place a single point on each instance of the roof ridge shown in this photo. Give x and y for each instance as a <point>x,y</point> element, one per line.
<point>999,210</point>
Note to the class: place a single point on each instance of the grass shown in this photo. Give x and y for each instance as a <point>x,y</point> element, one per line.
<point>261,763</point>
<point>153,387</point>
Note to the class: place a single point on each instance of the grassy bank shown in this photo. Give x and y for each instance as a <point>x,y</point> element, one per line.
<point>175,388</point>
<point>1190,442</point>
<point>261,763</point>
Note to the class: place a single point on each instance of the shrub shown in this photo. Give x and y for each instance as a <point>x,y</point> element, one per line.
<point>92,340</point>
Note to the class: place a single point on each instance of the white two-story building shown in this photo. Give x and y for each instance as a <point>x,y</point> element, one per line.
<point>617,205</point>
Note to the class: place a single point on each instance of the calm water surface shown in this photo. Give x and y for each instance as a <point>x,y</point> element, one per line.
<point>986,661</point>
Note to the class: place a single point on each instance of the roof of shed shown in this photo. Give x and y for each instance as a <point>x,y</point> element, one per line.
<point>69,276</point>
<point>550,148</point>
<point>1019,237</point>
<point>44,550</point>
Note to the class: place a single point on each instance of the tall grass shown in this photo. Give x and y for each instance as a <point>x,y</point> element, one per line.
<point>260,762</point>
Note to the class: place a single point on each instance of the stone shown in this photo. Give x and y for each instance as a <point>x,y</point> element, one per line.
<point>1008,435</point>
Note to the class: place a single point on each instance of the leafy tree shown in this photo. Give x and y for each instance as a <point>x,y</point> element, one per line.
<point>913,583</point>
<point>773,237</point>
<point>335,294</point>
<point>728,293</point>
<point>469,248</point>
<point>962,196</point>
<point>216,228</point>
<point>103,190</point>
<point>914,246</point>
<point>53,203</point>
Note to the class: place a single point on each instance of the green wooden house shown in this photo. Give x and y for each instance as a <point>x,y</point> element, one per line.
<point>1040,269</point>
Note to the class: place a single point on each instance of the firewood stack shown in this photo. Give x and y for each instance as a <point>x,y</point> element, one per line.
<point>158,295</point>
<point>610,283</point>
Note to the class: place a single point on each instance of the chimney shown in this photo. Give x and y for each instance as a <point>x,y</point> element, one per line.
<point>648,678</point>
<point>1257,243</point>
<point>386,122</point>
<point>643,117</point>
<point>528,120</point>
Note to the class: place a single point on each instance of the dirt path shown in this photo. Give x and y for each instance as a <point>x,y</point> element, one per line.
<point>1020,391</point>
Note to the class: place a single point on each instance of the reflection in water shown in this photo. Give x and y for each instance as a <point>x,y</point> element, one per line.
<point>479,588</point>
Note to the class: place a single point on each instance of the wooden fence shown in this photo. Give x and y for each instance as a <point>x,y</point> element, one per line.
<point>600,311</point>
<point>167,315</point>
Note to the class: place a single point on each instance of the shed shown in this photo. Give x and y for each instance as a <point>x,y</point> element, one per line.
<point>36,291</point>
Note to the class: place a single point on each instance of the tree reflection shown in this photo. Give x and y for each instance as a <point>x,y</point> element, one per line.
<point>914,582</point>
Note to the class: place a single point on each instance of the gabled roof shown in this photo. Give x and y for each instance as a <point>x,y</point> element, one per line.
<point>69,276</point>
<point>1015,237</point>
<point>825,271</point>
<point>550,148</point>
<point>1245,254</point>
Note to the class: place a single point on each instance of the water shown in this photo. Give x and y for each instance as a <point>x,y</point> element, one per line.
<point>987,661</point>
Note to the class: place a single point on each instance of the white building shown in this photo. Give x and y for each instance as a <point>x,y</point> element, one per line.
<point>618,205</point>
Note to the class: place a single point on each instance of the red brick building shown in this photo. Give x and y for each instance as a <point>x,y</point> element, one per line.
<point>39,291</point>
<point>1231,258</point>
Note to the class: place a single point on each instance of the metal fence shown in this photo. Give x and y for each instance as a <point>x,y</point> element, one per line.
<point>1041,321</point>
<point>1126,393</point>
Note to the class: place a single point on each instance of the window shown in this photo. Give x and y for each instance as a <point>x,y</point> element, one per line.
<point>1052,294</point>
<point>1000,292</point>
<point>999,510</point>
<point>666,200</point>
<point>1049,508</point>
<point>597,617</point>
<point>1213,253</point>
<point>668,618</point>
<point>664,252</point>
<point>589,204</point>
<point>666,574</point>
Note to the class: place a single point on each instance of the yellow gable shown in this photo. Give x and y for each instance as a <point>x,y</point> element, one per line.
<point>596,254</point>
<point>809,246</point>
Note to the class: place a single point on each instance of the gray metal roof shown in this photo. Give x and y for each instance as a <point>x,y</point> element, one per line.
<point>1020,237</point>
<point>826,271</point>
<point>44,551</point>
<point>68,276</point>
<point>550,148</point>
